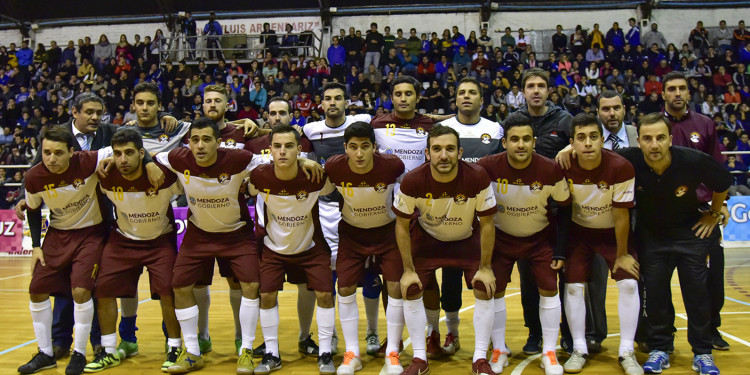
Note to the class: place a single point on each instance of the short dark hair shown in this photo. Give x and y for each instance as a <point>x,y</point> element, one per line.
<point>205,122</point>
<point>279,99</point>
<point>439,130</point>
<point>125,135</point>
<point>534,72</point>
<point>671,76</point>
<point>584,119</point>
<point>609,94</point>
<point>653,118</point>
<point>516,119</point>
<point>86,97</point>
<point>59,134</point>
<point>470,79</point>
<point>359,129</point>
<point>334,86</point>
<point>407,79</point>
<point>147,87</point>
<point>281,129</point>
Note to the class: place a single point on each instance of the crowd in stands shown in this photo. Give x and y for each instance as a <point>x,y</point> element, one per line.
<point>36,87</point>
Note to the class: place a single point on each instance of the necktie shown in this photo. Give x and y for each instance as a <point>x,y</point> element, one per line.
<point>86,146</point>
<point>615,140</point>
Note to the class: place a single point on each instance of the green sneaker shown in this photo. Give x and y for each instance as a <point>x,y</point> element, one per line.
<point>205,345</point>
<point>245,363</point>
<point>103,361</point>
<point>172,355</point>
<point>237,345</point>
<point>127,349</point>
<point>186,362</point>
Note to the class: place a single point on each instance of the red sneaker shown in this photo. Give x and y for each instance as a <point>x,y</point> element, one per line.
<point>417,367</point>
<point>451,345</point>
<point>482,367</point>
<point>434,350</point>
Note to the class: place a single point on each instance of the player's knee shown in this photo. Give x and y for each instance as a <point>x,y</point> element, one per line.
<point>481,294</point>
<point>394,289</point>
<point>36,298</point>
<point>250,290</point>
<point>268,300</point>
<point>183,292</point>
<point>81,295</point>
<point>627,286</point>
<point>547,293</point>
<point>166,301</point>
<point>324,299</point>
<point>233,283</point>
<point>346,291</point>
<point>574,289</point>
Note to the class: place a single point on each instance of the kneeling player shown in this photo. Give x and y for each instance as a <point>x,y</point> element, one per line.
<point>522,182</point>
<point>366,181</point>
<point>143,237</point>
<point>449,194</point>
<point>293,243</point>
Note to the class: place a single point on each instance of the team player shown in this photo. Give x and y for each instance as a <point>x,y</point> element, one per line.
<point>601,184</point>
<point>480,137</point>
<point>523,182</point>
<point>366,181</point>
<point>69,259</point>
<point>143,236</point>
<point>449,195</point>
<point>293,242</point>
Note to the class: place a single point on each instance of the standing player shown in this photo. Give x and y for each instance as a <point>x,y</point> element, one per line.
<point>449,194</point>
<point>66,182</point>
<point>523,182</point>
<point>601,184</point>
<point>293,243</point>
<point>366,181</point>
<point>143,237</point>
<point>480,137</point>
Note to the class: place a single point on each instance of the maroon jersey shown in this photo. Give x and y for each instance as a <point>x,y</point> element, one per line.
<point>231,137</point>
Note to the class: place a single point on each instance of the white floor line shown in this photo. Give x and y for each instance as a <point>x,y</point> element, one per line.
<point>13,277</point>
<point>733,337</point>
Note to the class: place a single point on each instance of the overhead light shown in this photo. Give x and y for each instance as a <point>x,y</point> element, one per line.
<point>333,9</point>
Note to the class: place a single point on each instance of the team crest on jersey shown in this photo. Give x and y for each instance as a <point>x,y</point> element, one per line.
<point>460,199</point>
<point>603,185</point>
<point>224,179</point>
<point>301,195</point>
<point>77,183</point>
<point>381,187</point>
<point>230,143</point>
<point>500,208</point>
<point>388,151</point>
<point>535,187</point>
<point>192,200</point>
<point>151,192</point>
<point>486,139</point>
<point>163,138</point>
<point>680,191</point>
<point>695,137</point>
<point>420,131</point>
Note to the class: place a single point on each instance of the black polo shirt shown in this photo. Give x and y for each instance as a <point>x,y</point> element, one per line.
<point>667,204</point>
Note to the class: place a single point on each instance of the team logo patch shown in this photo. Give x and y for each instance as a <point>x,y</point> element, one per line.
<point>231,143</point>
<point>388,151</point>
<point>381,187</point>
<point>151,192</point>
<point>163,138</point>
<point>500,208</point>
<point>77,183</point>
<point>486,139</point>
<point>680,191</point>
<point>224,179</point>
<point>420,131</point>
<point>460,199</point>
<point>695,137</point>
<point>301,195</point>
<point>603,185</point>
<point>535,186</point>
<point>192,200</point>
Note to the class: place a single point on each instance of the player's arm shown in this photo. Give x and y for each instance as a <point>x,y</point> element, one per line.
<point>624,260</point>
<point>487,247</point>
<point>34,215</point>
<point>403,240</point>
<point>706,224</point>
<point>564,157</point>
<point>564,215</point>
<point>312,170</point>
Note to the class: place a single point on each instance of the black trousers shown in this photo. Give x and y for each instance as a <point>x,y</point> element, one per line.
<point>596,297</point>
<point>658,260</point>
<point>451,289</point>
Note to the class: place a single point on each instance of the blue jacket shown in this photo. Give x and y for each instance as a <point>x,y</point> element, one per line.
<point>25,56</point>
<point>259,97</point>
<point>633,37</point>
<point>212,28</point>
<point>336,55</point>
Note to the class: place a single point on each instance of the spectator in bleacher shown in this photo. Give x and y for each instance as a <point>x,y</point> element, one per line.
<point>413,44</point>
<point>741,36</point>
<point>69,53</point>
<point>699,39</point>
<point>507,40</point>
<point>739,183</point>
<point>615,37</point>
<point>743,144</point>
<point>594,54</point>
<point>408,62</point>
<point>559,41</point>
<point>662,69</point>
<point>744,55</point>
<point>578,41</point>
<point>710,107</point>
<point>721,79</point>
<point>388,39</point>
<point>290,40</point>
<point>563,79</point>
<point>522,40</point>
<point>293,87</point>
<point>655,55</point>
<point>373,46</point>
<point>53,54</point>
<point>654,36</point>
<point>103,51</point>
<point>722,38</point>
<point>124,49</point>
<point>458,39</point>
<point>353,45</point>
<point>595,38</point>
<point>633,37</point>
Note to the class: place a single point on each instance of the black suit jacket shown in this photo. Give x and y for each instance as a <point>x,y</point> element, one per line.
<point>102,139</point>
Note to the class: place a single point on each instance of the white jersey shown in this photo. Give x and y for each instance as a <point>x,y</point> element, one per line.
<point>478,140</point>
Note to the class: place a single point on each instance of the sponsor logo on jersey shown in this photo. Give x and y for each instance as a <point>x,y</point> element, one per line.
<point>192,200</point>
<point>388,150</point>
<point>460,199</point>
<point>163,138</point>
<point>77,183</point>
<point>224,179</point>
<point>62,184</point>
<point>695,137</point>
<point>132,189</point>
<point>680,191</point>
<point>381,187</point>
<point>151,192</point>
<point>486,138</point>
<point>301,195</point>
<point>500,208</point>
<point>603,185</point>
<point>535,187</point>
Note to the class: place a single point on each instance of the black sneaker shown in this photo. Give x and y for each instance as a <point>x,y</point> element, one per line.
<point>308,347</point>
<point>38,362</point>
<point>76,365</point>
<point>718,342</point>
<point>268,364</point>
<point>259,351</point>
<point>533,345</point>
<point>60,352</point>
<point>325,364</point>
<point>593,346</point>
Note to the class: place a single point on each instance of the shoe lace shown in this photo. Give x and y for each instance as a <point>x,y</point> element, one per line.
<point>174,353</point>
<point>325,358</point>
<point>495,355</point>
<point>348,356</point>
<point>395,358</point>
<point>655,356</point>
<point>552,357</point>
<point>268,359</point>
<point>100,356</point>
<point>706,360</point>
<point>372,339</point>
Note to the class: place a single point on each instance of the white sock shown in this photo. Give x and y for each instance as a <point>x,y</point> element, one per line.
<point>628,305</point>
<point>129,306</point>
<point>109,343</point>
<point>326,319</point>
<point>188,318</point>
<point>372,309</point>
<point>248,317</point>
<point>203,301</point>
<point>484,315</point>
<point>349,318</point>
<point>498,326</point>
<point>549,316</point>
<point>235,299</point>
<point>41,316</point>
<point>305,309</point>
<point>269,324</point>
<point>575,311</point>
<point>416,319</point>
<point>394,319</point>
<point>83,316</point>
<point>452,320</point>
<point>173,342</point>
<point>433,321</point>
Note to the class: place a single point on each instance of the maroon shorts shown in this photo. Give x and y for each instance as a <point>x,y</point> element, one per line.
<point>315,264</point>
<point>356,245</point>
<point>583,243</point>
<point>123,260</point>
<point>72,258</point>
<point>537,249</point>
<point>429,254</point>
<point>199,248</point>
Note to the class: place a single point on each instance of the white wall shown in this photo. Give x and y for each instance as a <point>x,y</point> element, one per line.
<point>676,24</point>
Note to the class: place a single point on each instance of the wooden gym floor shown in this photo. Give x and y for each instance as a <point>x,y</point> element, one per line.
<point>17,342</point>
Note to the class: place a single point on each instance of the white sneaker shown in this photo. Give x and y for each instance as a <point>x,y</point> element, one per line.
<point>350,364</point>
<point>576,362</point>
<point>630,365</point>
<point>550,364</point>
<point>498,361</point>
<point>373,343</point>
<point>392,365</point>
